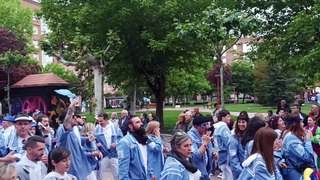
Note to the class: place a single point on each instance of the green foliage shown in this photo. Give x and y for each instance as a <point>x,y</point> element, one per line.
<point>290,34</point>
<point>64,74</point>
<point>17,19</point>
<point>220,28</point>
<point>276,86</point>
<point>242,76</point>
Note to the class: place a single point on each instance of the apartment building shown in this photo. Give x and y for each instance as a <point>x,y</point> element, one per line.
<point>39,29</point>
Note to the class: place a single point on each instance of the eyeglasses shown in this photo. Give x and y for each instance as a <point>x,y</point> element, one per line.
<point>206,125</point>
<point>180,133</point>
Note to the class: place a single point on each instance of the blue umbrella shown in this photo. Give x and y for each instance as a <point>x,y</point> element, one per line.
<point>66,92</point>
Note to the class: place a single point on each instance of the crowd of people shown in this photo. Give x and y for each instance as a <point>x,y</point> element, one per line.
<point>281,146</point>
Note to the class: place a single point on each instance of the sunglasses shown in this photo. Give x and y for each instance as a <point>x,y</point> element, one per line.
<point>206,125</point>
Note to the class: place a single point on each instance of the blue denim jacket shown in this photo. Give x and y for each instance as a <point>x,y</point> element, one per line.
<point>88,147</point>
<point>255,168</point>
<point>236,155</point>
<point>79,166</point>
<point>221,135</point>
<point>130,160</point>
<point>3,147</point>
<point>155,155</point>
<point>296,152</point>
<point>174,170</point>
<point>248,149</point>
<point>202,162</point>
<point>115,138</point>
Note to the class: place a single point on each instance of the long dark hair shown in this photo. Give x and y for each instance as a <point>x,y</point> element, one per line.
<point>294,126</point>
<point>57,155</point>
<point>237,131</point>
<point>254,125</point>
<point>264,146</point>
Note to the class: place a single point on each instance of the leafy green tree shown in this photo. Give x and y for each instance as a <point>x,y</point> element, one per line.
<point>64,74</point>
<point>275,86</point>
<point>242,77</point>
<point>290,34</point>
<point>181,82</point>
<point>17,19</point>
<point>151,47</point>
<point>219,29</point>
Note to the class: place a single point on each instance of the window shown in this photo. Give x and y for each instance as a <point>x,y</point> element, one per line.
<point>235,47</point>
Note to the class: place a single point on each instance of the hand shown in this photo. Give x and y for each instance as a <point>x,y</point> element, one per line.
<point>113,145</point>
<point>91,138</point>
<point>309,135</point>
<point>282,165</point>
<point>9,158</point>
<point>157,132</point>
<point>44,159</point>
<point>216,155</point>
<point>206,138</point>
<point>99,145</point>
<point>96,154</point>
<point>277,145</point>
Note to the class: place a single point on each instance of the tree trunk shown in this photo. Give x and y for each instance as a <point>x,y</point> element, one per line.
<point>174,99</point>
<point>8,92</point>
<point>98,95</point>
<point>158,88</point>
<point>133,101</point>
<point>243,98</point>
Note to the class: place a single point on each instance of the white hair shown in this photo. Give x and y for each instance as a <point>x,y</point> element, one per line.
<point>124,111</point>
<point>189,113</point>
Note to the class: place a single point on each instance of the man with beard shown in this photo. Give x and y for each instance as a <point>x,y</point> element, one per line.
<point>30,167</point>
<point>133,152</point>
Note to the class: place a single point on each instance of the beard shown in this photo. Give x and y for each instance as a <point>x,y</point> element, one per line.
<point>140,131</point>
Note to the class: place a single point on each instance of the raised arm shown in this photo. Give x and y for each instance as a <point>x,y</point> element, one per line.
<point>68,120</point>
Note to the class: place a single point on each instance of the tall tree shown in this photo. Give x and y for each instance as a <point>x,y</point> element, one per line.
<point>80,35</point>
<point>151,47</point>
<point>242,77</point>
<point>16,19</point>
<point>290,33</point>
<point>219,29</point>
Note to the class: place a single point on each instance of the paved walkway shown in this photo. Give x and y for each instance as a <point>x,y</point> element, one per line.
<point>251,114</point>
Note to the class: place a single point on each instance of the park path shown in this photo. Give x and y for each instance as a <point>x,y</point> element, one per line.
<point>251,114</point>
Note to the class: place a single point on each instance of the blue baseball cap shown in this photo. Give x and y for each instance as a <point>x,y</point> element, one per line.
<point>9,118</point>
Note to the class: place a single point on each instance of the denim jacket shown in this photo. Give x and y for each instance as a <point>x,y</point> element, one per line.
<point>255,168</point>
<point>88,147</point>
<point>155,157</point>
<point>115,138</point>
<point>221,135</point>
<point>174,170</point>
<point>296,152</point>
<point>202,162</point>
<point>248,149</point>
<point>130,160</point>
<point>236,155</point>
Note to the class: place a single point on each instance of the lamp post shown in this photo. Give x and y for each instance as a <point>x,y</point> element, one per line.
<point>234,93</point>
<point>218,87</point>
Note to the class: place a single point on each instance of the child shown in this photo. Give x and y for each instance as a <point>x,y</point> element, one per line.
<point>89,146</point>
<point>58,165</point>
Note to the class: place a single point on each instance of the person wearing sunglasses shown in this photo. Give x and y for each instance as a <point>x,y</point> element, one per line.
<point>202,148</point>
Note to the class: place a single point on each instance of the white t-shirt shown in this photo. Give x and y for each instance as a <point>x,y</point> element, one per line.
<point>77,133</point>
<point>107,131</point>
<point>143,149</point>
